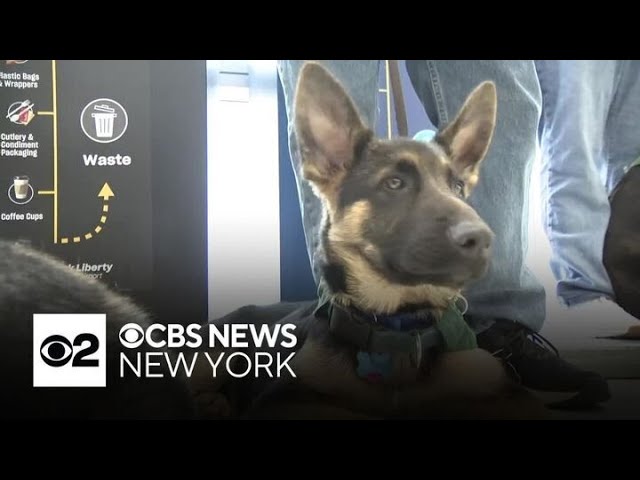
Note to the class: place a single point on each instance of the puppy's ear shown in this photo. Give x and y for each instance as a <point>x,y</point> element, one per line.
<point>327,125</point>
<point>467,138</point>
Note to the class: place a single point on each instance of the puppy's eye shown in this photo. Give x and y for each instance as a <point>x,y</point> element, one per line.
<point>458,188</point>
<point>394,183</point>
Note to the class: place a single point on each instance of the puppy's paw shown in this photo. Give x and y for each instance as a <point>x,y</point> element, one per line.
<point>476,386</point>
<point>213,405</point>
<point>471,374</point>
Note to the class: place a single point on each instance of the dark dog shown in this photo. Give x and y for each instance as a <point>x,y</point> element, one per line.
<point>399,243</point>
<point>31,282</point>
<point>621,255</point>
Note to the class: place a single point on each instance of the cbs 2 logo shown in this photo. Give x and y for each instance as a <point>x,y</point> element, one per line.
<point>57,351</point>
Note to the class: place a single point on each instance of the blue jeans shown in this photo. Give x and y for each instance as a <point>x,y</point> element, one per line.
<point>509,290</point>
<point>590,134</point>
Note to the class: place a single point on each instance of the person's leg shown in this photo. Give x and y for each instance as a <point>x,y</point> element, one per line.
<point>577,95</point>
<point>622,135</point>
<point>508,294</point>
<point>360,79</point>
<point>588,136</point>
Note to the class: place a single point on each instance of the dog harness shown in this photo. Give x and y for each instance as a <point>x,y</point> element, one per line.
<point>396,349</point>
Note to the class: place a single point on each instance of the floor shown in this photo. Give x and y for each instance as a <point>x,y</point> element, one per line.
<point>624,404</point>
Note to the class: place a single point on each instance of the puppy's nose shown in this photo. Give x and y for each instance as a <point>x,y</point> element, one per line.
<point>471,238</point>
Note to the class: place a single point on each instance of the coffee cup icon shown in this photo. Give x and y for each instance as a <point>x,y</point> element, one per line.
<point>20,192</point>
<point>21,187</point>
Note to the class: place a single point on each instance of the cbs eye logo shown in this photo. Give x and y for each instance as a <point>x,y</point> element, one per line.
<point>56,351</point>
<point>131,335</point>
<point>69,350</point>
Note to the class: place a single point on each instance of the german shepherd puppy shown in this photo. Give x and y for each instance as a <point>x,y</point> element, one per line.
<point>398,236</point>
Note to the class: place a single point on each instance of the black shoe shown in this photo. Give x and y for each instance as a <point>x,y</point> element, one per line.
<point>538,368</point>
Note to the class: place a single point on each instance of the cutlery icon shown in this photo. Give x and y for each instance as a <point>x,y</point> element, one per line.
<point>21,112</point>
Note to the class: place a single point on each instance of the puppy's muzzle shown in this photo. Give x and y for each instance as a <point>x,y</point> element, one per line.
<point>472,239</point>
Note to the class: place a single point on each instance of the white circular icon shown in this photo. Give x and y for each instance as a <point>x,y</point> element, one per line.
<point>131,335</point>
<point>104,120</point>
<point>15,198</point>
<point>21,113</point>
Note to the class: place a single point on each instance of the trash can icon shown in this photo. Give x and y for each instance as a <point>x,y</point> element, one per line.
<point>104,120</point>
<point>104,117</point>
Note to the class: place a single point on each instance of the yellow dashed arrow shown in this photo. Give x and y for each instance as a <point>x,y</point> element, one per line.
<point>106,193</point>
